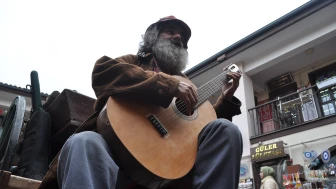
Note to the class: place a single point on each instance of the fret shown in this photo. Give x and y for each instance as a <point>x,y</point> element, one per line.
<point>205,91</point>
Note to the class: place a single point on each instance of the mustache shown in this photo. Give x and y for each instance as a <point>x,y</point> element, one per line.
<point>177,42</point>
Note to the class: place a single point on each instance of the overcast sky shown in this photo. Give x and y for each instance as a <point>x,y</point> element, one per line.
<point>62,39</point>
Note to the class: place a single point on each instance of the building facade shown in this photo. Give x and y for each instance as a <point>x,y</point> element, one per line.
<point>9,92</point>
<point>288,94</point>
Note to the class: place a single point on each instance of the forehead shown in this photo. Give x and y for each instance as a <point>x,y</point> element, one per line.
<point>170,26</point>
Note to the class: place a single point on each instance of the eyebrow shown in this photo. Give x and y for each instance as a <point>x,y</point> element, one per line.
<point>173,28</point>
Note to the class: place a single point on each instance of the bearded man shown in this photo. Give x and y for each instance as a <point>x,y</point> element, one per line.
<point>87,161</point>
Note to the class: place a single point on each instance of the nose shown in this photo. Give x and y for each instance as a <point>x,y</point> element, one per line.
<point>177,36</point>
<point>177,39</point>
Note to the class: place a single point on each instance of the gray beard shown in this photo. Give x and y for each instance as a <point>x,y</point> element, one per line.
<point>169,56</point>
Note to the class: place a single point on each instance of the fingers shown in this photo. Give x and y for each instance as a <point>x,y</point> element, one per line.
<point>187,93</point>
<point>187,103</point>
<point>190,97</point>
<point>187,96</point>
<point>235,78</point>
<point>194,93</point>
<point>193,99</point>
<point>234,74</point>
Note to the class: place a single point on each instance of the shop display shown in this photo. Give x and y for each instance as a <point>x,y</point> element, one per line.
<point>245,184</point>
<point>332,169</point>
<point>298,182</point>
<point>315,179</point>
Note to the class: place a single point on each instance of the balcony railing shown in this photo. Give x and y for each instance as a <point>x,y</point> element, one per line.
<point>291,110</point>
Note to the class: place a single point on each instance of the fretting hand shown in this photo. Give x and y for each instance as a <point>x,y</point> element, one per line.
<point>230,88</point>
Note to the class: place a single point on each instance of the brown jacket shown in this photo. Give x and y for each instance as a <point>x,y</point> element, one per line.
<point>133,76</point>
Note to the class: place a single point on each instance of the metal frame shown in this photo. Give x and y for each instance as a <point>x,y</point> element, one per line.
<point>11,126</point>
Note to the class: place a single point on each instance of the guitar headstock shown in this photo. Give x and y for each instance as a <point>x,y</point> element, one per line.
<point>232,68</point>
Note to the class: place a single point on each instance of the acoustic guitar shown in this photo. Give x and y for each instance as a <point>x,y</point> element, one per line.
<point>150,142</point>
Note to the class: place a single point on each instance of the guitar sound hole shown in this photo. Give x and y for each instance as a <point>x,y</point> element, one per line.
<point>181,107</point>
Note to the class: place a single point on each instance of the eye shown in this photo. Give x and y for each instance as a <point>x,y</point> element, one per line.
<point>170,31</point>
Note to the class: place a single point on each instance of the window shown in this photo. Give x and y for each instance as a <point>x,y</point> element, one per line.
<point>327,99</point>
<point>326,93</point>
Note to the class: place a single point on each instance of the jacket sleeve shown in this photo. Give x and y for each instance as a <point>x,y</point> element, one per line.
<point>123,77</point>
<point>227,108</point>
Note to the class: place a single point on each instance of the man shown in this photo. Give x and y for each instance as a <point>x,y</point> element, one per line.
<point>86,160</point>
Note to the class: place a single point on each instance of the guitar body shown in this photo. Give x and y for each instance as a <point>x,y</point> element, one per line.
<point>171,157</point>
<point>152,144</point>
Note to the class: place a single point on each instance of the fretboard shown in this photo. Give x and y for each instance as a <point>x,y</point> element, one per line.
<point>205,91</point>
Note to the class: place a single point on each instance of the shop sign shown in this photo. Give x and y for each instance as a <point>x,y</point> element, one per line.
<point>280,81</point>
<point>243,170</point>
<point>268,151</point>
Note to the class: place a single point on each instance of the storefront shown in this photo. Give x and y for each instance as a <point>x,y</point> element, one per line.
<point>320,172</point>
<point>272,155</point>
<point>297,167</point>
<point>317,171</point>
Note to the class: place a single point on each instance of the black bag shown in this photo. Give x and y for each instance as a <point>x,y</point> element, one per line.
<point>34,159</point>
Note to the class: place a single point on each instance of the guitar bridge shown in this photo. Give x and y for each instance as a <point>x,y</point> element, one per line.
<point>157,125</point>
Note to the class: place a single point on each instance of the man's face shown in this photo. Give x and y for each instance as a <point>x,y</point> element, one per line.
<point>168,49</point>
<point>173,34</point>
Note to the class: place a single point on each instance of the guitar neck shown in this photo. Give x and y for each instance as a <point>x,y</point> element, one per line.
<point>205,91</point>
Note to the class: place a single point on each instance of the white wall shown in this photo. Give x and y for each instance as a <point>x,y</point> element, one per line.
<point>304,34</point>
<point>245,94</point>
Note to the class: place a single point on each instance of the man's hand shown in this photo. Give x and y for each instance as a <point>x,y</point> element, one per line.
<point>187,93</point>
<point>230,88</point>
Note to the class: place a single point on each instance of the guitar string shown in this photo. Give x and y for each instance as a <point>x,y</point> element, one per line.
<point>184,108</point>
<point>171,120</point>
<point>205,92</point>
<point>215,83</point>
<point>222,80</point>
